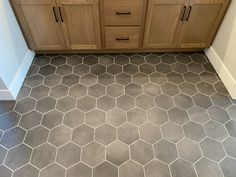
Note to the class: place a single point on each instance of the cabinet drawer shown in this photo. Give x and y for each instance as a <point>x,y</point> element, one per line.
<point>125,12</point>
<point>122,37</point>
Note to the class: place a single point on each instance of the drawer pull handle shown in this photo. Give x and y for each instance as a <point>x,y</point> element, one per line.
<point>54,12</point>
<point>189,12</point>
<point>122,39</point>
<point>61,14</point>
<point>123,13</point>
<point>183,13</point>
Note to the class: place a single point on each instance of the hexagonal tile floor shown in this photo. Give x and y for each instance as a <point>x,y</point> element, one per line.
<point>121,115</point>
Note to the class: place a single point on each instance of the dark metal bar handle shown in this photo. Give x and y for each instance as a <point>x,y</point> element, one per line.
<point>122,39</point>
<point>61,14</point>
<point>189,12</point>
<point>183,13</point>
<point>123,13</point>
<point>54,12</point>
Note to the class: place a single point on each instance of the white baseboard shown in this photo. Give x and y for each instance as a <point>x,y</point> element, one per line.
<point>222,71</point>
<point>19,78</point>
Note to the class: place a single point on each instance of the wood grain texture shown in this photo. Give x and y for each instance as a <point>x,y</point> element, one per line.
<point>114,12</point>
<point>122,37</point>
<point>163,20</point>
<point>204,20</point>
<point>81,26</point>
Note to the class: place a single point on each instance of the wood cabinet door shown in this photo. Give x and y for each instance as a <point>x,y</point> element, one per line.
<point>39,20</point>
<point>80,22</point>
<point>162,23</point>
<point>202,20</point>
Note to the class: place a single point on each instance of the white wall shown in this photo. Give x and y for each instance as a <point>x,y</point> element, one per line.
<point>15,57</point>
<point>222,53</point>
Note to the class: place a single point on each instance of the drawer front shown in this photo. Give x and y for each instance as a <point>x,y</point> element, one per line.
<point>122,37</point>
<point>125,12</point>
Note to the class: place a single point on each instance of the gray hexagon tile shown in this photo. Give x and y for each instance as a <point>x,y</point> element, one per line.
<point>228,167</point>
<point>213,169</point>
<point>79,170</point>
<point>30,120</point>
<point>74,118</point>
<point>136,116</point>
<point>189,150</point>
<point>83,135</point>
<point>36,136</point>
<point>106,103</point>
<point>105,134</point>
<point>157,169</point>
<point>172,132</point>
<point>53,170</point>
<point>43,155</point>
<point>165,151</point>
<point>212,149</point>
<point>164,101</point>
<point>95,118</point>
<point>128,133</point>
<point>78,91</point>
<point>93,154</point>
<point>116,117</point>
<point>130,169</point>
<point>105,169</point>
<point>215,130</point>
<point>96,90</point>
<point>86,103</point>
<point>9,120</point>
<point>198,115</point>
<point>68,155</point>
<point>18,156</point>
<point>52,119</point>
<point>194,131</point>
<point>178,115</point>
<point>150,132</point>
<point>125,102</point>
<point>115,90</point>
<point>141,152</point>
<point>27,170</point>
<point>182,168</point>
<point>117,153</point>
<point>230,126</point>
<point>157,116</point>
<point>144,102</point>
<point>12,137</point>
<point>230,145</point>
<point>59,135</point>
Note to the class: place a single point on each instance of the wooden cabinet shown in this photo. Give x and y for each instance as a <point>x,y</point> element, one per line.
<point>123,23</point>
<point>80,22</point>
<point>183,23</point>
<point>141,25</point>
<point>201,22</point>
<point>41,24</point>
<point>59,24</point>
<point>162,22</point>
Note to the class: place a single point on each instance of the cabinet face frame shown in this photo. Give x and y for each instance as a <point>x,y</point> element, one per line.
<point>32,43</point>
<point>94,24</point>
<point>213,29</point>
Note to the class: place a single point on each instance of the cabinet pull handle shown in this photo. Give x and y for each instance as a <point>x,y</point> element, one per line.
<point>123,13</point>
<point>54,12</point>
<point>189,12</point>
<point>183,13</point>
<point>122,39</point>
<point>61,14</point>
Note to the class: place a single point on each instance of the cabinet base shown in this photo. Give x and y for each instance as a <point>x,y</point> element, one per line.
<point>106,51</point>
